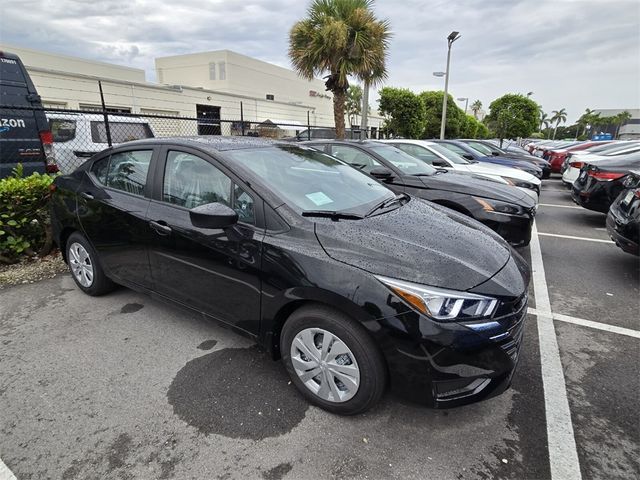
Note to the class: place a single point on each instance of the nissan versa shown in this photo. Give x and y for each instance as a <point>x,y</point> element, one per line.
<point>354,287</point>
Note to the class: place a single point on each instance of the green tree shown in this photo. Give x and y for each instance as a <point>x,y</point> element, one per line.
<point>470,127</point>
<point>513,115</point>
<point>340,38</point>
<point>558,116</point>
<point>432,101</point>
<point>353,106</point>
<point>475,108</point>
<point>404,112</point>
<point>585,119</point>
<point>620,120</point>
<point>483,131</point>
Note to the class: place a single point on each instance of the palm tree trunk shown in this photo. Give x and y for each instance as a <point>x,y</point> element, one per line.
<point>339,98</point>
<point>555,129</point>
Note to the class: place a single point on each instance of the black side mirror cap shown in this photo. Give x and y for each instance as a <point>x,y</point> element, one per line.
<point>213,216</point>
<point>439,163</point>
<point>381,173</point>
<point>468,156</point>
<point>495,154</point>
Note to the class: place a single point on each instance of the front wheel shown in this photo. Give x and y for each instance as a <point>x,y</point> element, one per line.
<point>332,360</point>
<point>85,267</point>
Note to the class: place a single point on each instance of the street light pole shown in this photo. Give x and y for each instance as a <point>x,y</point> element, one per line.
<point>453,36</point>
<point>466,103</point>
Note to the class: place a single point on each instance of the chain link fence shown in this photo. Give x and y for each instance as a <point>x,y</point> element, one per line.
<point>79,134</point>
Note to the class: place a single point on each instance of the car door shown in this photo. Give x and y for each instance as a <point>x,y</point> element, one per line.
<point>113,199</point>
<point>214,271</point>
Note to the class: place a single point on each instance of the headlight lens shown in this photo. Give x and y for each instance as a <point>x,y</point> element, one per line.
<point>440,304</point>
<point>519,183</point>
<point>498,207</point>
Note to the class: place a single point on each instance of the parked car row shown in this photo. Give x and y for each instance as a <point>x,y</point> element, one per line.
<point>605,177</point>
<point>338,267</point>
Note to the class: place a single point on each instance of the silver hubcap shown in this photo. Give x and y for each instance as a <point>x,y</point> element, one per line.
<point>81,265</point>
<point>325,365</point>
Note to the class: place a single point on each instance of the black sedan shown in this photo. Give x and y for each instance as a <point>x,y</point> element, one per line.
<point>600,182</point>
<point>489,148</point>
<point>353,286</point>
<point>503,208</point>
<point>623,219</point>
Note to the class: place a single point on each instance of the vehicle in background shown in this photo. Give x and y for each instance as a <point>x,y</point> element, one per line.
<point>24,132</point>
<point>471,153</point>
<point>623,219</point>
<point>599,149</point>
<point>79,136</point>
<point>577,162</point>
<point>347,282</point>
<point>504,209</point>
<point>599,184</point>
<point>510,146</point>
<point>323,133</point>
<point>441,157</point>
<point>488,148</point>
<point>557,156</point>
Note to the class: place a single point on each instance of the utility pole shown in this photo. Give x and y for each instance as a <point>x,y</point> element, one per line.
<point>453,36</point>
<point>364,112</point>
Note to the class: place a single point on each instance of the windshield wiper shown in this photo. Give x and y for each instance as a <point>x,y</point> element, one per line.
<point>332,214</point>
<point>386,203</point>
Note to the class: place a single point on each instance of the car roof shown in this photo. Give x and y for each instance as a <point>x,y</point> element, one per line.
<point>214,143</point>
<point>94,117</point>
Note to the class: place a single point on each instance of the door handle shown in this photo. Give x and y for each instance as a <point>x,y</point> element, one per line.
<point>160,227</point>
<point>87,195</point>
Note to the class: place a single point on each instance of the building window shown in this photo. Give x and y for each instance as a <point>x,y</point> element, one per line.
<point>222,70</point>
<point>270,96</point>
<point>109,109</point>
<point>212,71</point>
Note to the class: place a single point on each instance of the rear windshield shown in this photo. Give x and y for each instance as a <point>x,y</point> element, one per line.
<point>10,72</point>
<point>120,132</point>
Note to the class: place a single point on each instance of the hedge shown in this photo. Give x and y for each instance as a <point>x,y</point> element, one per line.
<point>25,228</point>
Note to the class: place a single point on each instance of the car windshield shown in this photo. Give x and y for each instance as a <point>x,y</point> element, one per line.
<point>449,155</point>
<point>403,161</point>
<point>308,180</point>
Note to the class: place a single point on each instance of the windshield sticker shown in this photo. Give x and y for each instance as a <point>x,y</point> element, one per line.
<point>319,198</point>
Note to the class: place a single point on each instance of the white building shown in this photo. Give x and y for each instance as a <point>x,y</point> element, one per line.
<point>210,84</point>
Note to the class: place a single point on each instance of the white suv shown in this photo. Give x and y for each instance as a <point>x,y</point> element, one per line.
<point>78,136</point>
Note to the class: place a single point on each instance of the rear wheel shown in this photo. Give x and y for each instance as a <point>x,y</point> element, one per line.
<point>332,360</point>
<point>85,267</point>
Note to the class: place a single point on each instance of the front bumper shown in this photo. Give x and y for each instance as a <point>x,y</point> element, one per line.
<point>448,365</point>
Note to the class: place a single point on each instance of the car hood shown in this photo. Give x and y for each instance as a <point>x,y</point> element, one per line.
<point>418,242</point>
<point>502,170</point>
<point>466,184</point>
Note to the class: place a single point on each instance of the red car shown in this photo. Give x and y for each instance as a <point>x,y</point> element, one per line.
<point>556,157</point>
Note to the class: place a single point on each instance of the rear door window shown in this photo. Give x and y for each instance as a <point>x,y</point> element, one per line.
<point>120,132</point>
<point>126,171</point>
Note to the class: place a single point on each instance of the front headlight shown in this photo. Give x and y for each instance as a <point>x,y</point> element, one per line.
<point>519,183</point>
<point>495,206</point>
<point>440,304</point>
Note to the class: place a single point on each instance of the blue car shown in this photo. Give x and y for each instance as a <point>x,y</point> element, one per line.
<point>461,148</point>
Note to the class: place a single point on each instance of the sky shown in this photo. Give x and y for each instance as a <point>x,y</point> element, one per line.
<point>571,54</point>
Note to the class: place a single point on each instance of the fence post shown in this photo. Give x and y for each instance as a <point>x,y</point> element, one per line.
<point>106,116</point>
<point>242,118</point>
<point>308,126</point>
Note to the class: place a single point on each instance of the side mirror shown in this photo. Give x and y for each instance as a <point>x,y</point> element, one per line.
<point>382,173</point>
<point>468,156</point>
<point>494,153</point>
<point>213,215</point>
<point>439,163</point>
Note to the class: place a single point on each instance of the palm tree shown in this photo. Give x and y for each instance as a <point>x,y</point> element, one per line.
<point>587,118</point>
<point>353,105</point>
<point>342,38</point>
<point>621,118</point>
<point>543,119</point>
<point>475,108</point>
<point>557,117</point>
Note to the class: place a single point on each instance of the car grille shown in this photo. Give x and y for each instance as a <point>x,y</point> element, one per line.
<point>511,338</point>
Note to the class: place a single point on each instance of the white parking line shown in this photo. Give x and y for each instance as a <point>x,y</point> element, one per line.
<point>563,455</point>
<point>558,206</point>
<point>571,237</point>
<point>5,473</point>
<point>590,323</point>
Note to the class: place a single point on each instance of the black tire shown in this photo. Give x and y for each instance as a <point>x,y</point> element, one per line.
<point>369,359</point>
<point>100,283</point>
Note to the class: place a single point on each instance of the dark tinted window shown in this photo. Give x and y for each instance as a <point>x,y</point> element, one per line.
<point>62,130</point>
<point>10,71</point>
<point>126,171</point>
<point>120,132</point>
<point>191,181</point>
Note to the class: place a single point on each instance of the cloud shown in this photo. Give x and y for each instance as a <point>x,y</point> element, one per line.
<point>571,53</point>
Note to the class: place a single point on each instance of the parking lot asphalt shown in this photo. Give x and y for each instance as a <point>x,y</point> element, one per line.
<point>125,387</point>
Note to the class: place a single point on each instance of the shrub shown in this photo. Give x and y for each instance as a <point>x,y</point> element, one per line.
<point>24,216</point>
